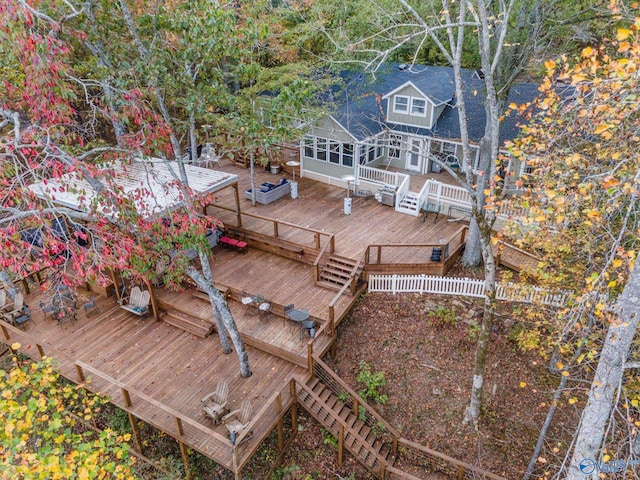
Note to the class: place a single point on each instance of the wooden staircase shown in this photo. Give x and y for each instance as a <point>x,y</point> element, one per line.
<point>188,323</point>
<point>410,204</point>
<point>339,419</point>
<point>337,272</point>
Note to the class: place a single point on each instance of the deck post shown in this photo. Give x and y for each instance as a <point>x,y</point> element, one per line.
<point>126,397</point>
<point>80,372</point>
<point>332,244</point>
<point>310,356</point>
<point>340,445</point>
<point>275,228</point>
<point>238,212</point>
<point>317,239</point>
<point>379,247</point>
<point>136,432</point>
<point>185,459</point>
<point>463,235</point>
<point>5,332</point>
<point>280,423</point>
<point>154,300</point>
<point>294,407</point>
<point>25,285</point>
<point>355,407</point>
<point>40,350</point>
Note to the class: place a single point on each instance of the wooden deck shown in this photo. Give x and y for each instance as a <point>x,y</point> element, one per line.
<point>159,373</point>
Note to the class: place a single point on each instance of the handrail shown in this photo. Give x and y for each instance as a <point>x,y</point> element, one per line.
<point>346,426</point>
<point>333,302</point>
<point>249,427</point>
<point>402,189</point>
<point>352,275</point>
<point>356,397</point>
<point>154,402</point>
<point>316,273</point>
<point>462,466</point>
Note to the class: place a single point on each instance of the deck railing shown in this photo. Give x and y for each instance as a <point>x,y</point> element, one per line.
<point>377,176</point>
<point>275,231</point>
<point>365,413</point>
<point>468,287</point>
<point>403,188</point>
<point>151,411</point>
<point>436,462</point>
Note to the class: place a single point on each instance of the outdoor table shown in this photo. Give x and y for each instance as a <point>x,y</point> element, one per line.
<point>300,316</point>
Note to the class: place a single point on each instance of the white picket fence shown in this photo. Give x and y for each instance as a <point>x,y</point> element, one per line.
<point>468,287</point>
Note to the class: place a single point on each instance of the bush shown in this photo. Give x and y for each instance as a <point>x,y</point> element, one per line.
<point>372,383</point>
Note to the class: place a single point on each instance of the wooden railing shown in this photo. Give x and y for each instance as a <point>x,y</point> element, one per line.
<point>345,429</point>
<point>376,176</point>
<point>155,413</point>
<point>332,305</point>
<point>436,462</point>
<point>387,434</point>
<point>353,274</point>
<point>275,228</point>
<point>316,263</point>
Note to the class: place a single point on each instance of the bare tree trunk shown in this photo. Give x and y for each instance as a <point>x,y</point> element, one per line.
<point>222,331</point>
<point>607,378</point>
<point>193,141</point>
<point>217,299</point>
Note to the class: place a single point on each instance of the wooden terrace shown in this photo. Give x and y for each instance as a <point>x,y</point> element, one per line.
<point>159,373</point>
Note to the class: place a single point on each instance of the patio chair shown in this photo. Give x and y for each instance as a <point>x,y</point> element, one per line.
<point>22,317</point>
<point>238,420</point>
<point>308,326</point>
<point>264,309</point>
<point>215,404</point>
<point>246,300</point>
<point>18,303</point>
<point>47,310</point>
<point>90,304</point>
<point>138,302</point>
<point>287,309</point>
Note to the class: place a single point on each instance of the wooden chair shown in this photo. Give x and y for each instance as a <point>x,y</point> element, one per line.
<point>138,302</point>
<point>215,404</point>
<point>18,303</point>
<point>238,420</point>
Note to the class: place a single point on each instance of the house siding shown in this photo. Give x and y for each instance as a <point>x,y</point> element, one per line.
<point>407,119</point>
<point>329,128</point>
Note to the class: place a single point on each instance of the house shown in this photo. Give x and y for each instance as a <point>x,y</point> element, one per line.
<point>404,117</point>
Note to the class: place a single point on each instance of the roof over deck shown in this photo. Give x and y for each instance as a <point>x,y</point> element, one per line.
<point>153,175</point>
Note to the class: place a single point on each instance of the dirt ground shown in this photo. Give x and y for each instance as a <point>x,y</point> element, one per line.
<point>427,361</point>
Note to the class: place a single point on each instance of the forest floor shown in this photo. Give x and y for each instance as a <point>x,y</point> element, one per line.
<point>425,345</point>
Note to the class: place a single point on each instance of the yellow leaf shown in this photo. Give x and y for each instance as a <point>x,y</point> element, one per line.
<point>587,52</point>
<point>601,128</point>
<point>634,402</point>
<point>612,283</point>
<point>15,346</point>
<point>523,384</point>
<point>623,34</point>
<point>572,400</point>
<point>549,64</point>
<point>560,365</point>
<point>565,373</point>
<point>617,262</point>
<point>606,458</point>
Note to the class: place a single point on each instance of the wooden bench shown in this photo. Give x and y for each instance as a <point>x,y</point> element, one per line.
<point>138,303</point>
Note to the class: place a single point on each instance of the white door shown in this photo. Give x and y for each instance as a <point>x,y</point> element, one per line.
<point>414,155</point>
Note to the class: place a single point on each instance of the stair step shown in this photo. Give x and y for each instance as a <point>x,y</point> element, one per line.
<point>188,323</point>
<point>313,382</point>
<point>342,273</point>
<point>329,285</point>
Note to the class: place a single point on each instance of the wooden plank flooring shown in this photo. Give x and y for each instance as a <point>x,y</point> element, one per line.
<point>163,365</point>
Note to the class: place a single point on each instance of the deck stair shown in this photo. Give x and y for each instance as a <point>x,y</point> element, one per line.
<point>337,272</point>
<point>332,413</point>
<point>410,204</point>
<point>197,326</point>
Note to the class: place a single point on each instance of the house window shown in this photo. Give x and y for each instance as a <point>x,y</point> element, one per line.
<point>347,154</point>
<point>308,146</point>
<point>418,107</point>
<point>401,104</point>
<point>395,142</point>
<point>334,152</point>
<point>321,149</point>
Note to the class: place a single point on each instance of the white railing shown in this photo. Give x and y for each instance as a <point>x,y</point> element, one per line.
<point>375,175</point>
<point>403,188</point>
<point>467,287</point>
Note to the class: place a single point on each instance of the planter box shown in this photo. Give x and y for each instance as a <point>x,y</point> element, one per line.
<point>270,196</point>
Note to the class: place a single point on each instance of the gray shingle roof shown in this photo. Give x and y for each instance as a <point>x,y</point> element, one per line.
<point>362,110</point>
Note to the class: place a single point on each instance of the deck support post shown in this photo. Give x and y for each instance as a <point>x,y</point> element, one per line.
<point>355,407</point>
<point>185,460</point>
<point>280,424</point>
<point>80,373</point>
<point>275,228</point>
<point>135,433</point>
<point>238,212</point>
<point>154,300</point>
<point>5,332</point>
<point>340,445</point>
<point>317,239</point>
<point>294,407</point>
<point>460,474</point>
<point>310,356</point>
<point>40,350</point>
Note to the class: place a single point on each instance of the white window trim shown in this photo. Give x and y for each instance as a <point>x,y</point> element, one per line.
<point>424,107</point>
<point>395,102</point>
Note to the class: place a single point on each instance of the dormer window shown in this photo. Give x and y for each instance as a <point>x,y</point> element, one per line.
<point>418,106</point>
<point>401,104</point>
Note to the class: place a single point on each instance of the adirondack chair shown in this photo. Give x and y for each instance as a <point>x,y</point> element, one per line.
<point>138,301</point>
<point>238,420</point>
<point>215,404</point>
<point>20,310</point>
